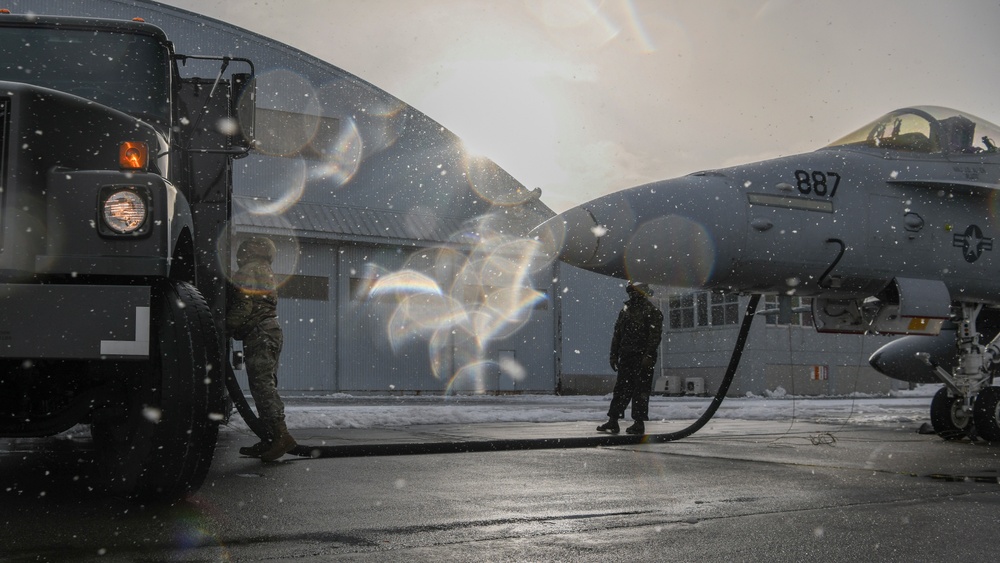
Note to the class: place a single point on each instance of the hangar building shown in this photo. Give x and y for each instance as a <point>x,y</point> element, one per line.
<point>402,257</point>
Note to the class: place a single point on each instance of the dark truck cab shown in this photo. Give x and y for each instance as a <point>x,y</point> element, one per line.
<point>115,200</point>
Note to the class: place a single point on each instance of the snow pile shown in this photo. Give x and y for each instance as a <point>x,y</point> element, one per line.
<point>345,411</point>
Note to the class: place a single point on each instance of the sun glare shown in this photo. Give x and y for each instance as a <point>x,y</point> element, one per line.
<point>503,111</point>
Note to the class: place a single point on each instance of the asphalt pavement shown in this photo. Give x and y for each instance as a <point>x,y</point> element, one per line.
<point>790,490</point>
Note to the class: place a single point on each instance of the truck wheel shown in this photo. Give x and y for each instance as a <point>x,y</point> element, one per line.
<point>160,445</point>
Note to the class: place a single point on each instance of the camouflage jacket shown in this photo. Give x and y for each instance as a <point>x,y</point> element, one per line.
<point>253,299</point>
<point>637,330</point>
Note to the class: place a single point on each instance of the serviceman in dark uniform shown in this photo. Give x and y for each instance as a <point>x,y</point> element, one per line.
<point>634,348</point>
<point>252,317</point>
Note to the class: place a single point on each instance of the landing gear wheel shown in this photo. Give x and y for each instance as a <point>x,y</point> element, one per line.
<point>986,414</point>
<point>948,418</point>
<point>160,446</point>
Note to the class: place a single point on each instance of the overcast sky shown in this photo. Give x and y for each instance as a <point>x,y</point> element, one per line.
<point>586,97</point>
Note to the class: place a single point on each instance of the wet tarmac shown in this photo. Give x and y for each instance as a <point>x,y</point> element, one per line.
<point>736,491</point>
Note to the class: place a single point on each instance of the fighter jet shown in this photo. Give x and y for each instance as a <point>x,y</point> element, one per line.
<point>890,230</point>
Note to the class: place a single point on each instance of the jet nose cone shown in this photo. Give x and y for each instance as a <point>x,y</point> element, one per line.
<point>588,239</point>
<point>577,234</point>
<point>684,233</point>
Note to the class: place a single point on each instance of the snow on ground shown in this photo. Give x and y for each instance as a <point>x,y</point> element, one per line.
<point>347,411</point>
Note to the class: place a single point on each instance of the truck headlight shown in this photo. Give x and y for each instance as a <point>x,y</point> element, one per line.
<point>124,210</point>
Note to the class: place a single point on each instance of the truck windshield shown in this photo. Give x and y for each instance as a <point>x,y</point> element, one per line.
<point>127,72</point>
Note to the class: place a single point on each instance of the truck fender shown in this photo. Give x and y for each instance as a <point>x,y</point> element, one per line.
<point>180,228</point>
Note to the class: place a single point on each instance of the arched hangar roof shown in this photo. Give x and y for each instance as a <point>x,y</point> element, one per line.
<point>360,165</point>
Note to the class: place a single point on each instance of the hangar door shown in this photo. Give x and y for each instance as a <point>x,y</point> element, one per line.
<point>370,359</point>
<point>307,308</point>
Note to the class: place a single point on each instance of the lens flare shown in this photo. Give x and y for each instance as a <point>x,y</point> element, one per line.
<point>277,229</point>
<point>472,377</point>
<point>341,153</point>
<point>994,204</point>
<point>286,188</point>
<point>381,120</point>
<point>192,526</point>
<point>439,348</point>
<point>689,249</point>
<point>512,369</point>
<point>440,264</point>
<point>288,114</point>
<point>550,237</point>
<point>461,302</point>
<point>507,310</point>
<point>493,184</point>
<point>574,24</point>
<point>406,282</point>
<point>421,316</point>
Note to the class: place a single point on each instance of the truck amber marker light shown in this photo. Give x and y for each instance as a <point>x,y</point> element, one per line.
<point>133,155</point>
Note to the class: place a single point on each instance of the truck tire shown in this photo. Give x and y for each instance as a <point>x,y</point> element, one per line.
<point>160,446</point>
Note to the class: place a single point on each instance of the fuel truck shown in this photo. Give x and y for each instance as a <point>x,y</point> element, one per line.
<point>115,201</point>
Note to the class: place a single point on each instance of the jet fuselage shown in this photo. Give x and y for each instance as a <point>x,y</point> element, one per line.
<point>841,222</point>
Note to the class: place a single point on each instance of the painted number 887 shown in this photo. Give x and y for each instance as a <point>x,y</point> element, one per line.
<point>815,182</point>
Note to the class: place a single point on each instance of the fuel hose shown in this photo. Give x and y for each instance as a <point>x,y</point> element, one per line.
<point>367,450</point>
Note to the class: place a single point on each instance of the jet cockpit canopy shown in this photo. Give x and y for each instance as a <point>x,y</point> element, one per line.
<point>926,129</point>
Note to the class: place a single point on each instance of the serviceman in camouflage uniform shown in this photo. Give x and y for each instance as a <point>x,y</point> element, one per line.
<point>252,317</point>
<point>634,348</point>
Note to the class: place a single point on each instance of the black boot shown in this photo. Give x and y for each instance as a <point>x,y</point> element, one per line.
<point>637,428</point>
<point>255,450</point>
<point>610,426</point>
<point>281,445</point>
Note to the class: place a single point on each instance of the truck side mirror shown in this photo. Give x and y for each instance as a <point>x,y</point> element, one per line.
<point>243,99</point>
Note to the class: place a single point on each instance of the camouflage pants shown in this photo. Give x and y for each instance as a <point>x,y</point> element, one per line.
<point>261,349</point>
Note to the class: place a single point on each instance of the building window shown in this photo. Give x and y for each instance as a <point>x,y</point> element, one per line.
<point>702,316</point>
<point>801,311</point>
<point>681,311</point>
<point>305,287</point>
<point>702,309</point>
<point>725,309</point>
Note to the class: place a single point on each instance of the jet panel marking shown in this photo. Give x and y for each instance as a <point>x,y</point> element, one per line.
<point>972,243</point>
<point>816,182</point>
<point>804,204</point>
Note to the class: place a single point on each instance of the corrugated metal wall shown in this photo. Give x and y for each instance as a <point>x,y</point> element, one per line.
<point>385,345</point>
<point>526,357</point>
<point>308,362</point>
<point>590,305</point>
<point>367,360</point>
<point>116,9</point>
<point>776,355</point>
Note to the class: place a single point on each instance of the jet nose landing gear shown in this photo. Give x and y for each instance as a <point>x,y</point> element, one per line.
<point>951,419</point>
<point>986,413</point>
<point>968,406</point>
